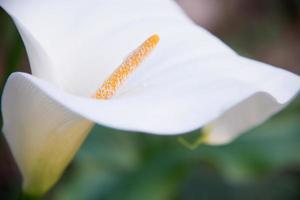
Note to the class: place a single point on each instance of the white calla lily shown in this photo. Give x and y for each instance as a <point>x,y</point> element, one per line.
<point>190,80</point>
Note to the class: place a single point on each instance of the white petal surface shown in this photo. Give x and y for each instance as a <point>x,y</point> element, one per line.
<point>181,99</point>
<point>42,134</point>
<point>84,41</point>
<point>192,79</point>
<point>275,89</point>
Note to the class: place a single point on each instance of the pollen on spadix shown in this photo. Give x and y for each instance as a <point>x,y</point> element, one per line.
<point>110,86</point>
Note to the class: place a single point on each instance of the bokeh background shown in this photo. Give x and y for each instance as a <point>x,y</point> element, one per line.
<point>263,164</point>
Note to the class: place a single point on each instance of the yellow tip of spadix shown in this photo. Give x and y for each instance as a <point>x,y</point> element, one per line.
<point>110,86</point>
<point>154,39</point>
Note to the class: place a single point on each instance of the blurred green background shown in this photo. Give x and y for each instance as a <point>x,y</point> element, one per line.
<point>262,164</point>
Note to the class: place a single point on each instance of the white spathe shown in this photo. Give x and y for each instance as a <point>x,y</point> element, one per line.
<point>191,80</point>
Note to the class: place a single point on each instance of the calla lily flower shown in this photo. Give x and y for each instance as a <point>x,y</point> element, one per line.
<point>76,51</point>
